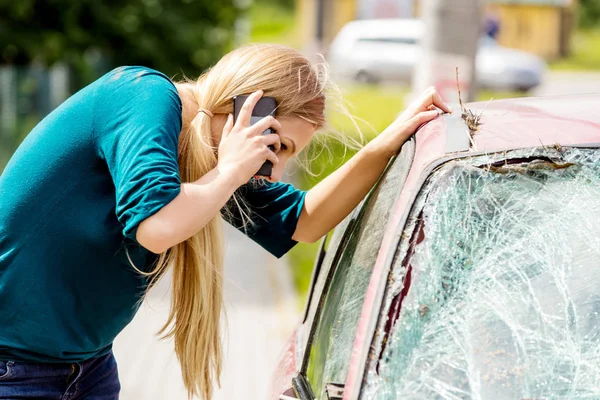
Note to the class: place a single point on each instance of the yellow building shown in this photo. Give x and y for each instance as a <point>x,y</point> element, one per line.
<point>542,27</point>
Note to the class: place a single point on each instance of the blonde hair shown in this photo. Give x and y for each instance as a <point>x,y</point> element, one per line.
<point>299,87</point>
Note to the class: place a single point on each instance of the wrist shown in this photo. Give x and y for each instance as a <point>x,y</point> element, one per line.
<point>228,178</point>
<point>220,177</point>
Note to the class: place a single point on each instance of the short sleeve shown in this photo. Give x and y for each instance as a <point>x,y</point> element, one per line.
<point>275,209</point>
<point>137,121</point>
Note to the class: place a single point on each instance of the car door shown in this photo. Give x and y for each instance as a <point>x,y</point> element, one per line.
<point>341,286</point>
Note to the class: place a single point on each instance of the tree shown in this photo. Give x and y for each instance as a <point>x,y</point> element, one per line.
<point>589,13</point>
<point>173,36</point>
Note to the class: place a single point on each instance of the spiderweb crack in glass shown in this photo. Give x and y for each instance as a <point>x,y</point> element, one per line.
<point>504,300</point>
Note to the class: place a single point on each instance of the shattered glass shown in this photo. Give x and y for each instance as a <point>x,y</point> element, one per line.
<point>504,299</point>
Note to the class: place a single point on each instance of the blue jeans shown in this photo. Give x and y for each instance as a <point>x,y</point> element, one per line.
<point>94,379</point>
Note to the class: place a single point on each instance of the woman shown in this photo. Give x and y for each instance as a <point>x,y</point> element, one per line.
<point>129,176</point>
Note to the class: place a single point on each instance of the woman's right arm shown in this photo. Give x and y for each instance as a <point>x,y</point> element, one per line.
<point>242,150</point>
<point>195,205</point>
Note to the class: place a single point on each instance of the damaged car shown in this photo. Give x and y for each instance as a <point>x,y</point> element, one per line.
<point>471,271</point>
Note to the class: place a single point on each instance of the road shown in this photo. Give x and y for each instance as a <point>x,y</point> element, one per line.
<point>261,309</point>
<point>563,83</point>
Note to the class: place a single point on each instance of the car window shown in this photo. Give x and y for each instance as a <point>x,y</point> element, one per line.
<point>396,40</point>
<point>336,323</point>
<point>502,257</point>
<point>324,261</point>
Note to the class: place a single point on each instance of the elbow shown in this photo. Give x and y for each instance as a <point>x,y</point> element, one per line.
<point>305,237</point>
<point>154,248</point>
<point>155,239</point>
<point>312,239</point>
<point>152,244</point>
<point>305,232</point>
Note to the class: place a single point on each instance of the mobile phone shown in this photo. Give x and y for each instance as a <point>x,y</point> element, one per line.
<point>266,106</point>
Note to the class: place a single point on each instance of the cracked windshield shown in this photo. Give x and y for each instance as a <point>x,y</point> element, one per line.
<point>504,271</point>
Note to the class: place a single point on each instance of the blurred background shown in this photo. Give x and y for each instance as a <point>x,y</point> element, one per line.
<point>503,48</point>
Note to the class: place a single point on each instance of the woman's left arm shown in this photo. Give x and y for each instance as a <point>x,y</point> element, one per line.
<point>331,200</point>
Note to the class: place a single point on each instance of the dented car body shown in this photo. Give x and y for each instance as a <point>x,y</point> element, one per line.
<point>470,271</point>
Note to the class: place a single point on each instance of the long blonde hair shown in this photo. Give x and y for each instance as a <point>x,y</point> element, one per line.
<point>299,87</point>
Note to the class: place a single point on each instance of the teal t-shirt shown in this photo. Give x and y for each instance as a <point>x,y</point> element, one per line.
<point>71,199</point>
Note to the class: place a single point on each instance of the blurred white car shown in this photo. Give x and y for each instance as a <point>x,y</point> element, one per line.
<point>388,50</point>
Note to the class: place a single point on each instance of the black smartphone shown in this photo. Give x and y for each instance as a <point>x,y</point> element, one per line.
<point>266,106</point>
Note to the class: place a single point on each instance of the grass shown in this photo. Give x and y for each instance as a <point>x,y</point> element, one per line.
<point>373,106</point>
<point>273,24</point>
<point>585,54</point>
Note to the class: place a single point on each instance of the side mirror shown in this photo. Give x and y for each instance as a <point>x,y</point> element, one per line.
<point>288,395</point>
<point>302,388</point>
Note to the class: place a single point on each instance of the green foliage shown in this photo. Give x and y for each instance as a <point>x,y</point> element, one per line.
<point>288,5</point>
<point>589,13</point>
<point>585,55</point>
<point>173,36</point>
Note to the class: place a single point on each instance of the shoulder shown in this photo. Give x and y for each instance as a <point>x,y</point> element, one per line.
<point>135,93</point>
<point>141,81</point>
<point>129,74</point>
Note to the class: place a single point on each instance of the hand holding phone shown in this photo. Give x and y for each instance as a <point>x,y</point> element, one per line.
<point>264,107</point>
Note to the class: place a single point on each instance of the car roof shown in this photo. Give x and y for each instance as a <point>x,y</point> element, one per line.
<point>529,122</point>
<point>390,28</point>
<point>504,125</point>
<point>517,123</point>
